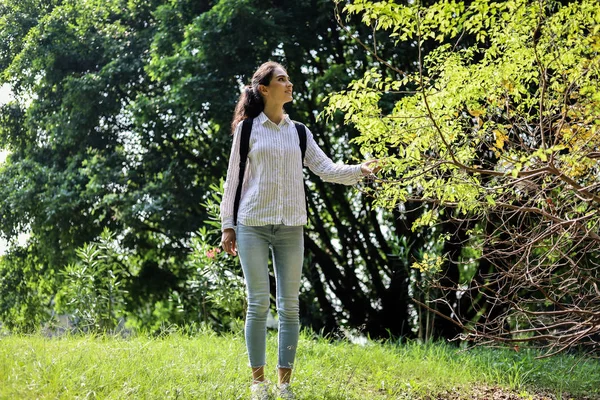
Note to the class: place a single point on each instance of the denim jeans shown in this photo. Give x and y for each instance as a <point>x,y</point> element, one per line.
<point>287,246</point>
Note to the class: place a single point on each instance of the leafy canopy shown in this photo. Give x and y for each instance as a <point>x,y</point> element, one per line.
<point>522,101</point>
<point>499,129</point>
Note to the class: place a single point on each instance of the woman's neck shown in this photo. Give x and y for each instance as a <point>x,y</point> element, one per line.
<point>274,112</point>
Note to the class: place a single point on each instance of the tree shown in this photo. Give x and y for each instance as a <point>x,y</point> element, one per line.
<point>121,121</point>
<point>352,281</point>
<point>503,137</point>
<point>80,160</point>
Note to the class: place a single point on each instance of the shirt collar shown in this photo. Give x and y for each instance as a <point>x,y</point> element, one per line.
<point>263,119</point>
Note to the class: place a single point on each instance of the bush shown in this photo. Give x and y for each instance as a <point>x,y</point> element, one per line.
<point>93,294</point>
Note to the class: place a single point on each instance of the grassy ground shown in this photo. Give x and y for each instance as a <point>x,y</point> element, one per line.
<point>207,366</point>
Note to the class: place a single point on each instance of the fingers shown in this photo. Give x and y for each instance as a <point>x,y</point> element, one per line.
<point>374,165</point>
<point>228,242</point>
<point>234,248</point>
<point>367,169</point>
<point>376,168</point>
<point>230,247</point>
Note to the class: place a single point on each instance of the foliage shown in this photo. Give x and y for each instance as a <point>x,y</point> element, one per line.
<point>318,59</point>
<point>502,136</point>
<point>81,157</point>
<point>214,292</point>
<point>92,294</point>
<point>27,290</point>
<point>216,288</point>
<point>120,120</point>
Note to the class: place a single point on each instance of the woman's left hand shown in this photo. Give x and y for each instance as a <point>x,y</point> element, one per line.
<point>370,167</point>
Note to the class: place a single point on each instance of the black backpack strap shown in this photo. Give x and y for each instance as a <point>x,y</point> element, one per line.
<point>302,136</point>
<point>244,148</point>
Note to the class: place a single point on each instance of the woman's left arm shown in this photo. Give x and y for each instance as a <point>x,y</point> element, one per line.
<point>318,162</point>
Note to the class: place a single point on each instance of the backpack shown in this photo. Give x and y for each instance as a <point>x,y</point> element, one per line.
<point>244,147</point>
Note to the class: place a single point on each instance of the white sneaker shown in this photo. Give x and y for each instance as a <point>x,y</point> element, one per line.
<point>259,391</point>
<point>284,392</point>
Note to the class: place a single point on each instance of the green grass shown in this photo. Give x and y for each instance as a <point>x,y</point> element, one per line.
<point>208,366</point>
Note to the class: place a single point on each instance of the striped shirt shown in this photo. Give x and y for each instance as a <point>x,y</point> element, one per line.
<point>273,186</point>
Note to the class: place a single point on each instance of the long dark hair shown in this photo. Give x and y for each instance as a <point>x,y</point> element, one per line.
<point>251,103</point>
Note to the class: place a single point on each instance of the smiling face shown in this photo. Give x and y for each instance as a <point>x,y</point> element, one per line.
<point>279,89</point>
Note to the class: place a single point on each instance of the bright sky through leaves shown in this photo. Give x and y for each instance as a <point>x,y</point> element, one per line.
<point>4,97</point>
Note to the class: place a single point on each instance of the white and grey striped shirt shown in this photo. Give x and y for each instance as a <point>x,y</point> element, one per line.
<point>273,189</point>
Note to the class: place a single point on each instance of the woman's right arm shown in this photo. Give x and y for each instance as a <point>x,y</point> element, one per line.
<point>228,239</point>
<point>231,182</point>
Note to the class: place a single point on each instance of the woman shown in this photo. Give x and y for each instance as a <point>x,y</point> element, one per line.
<point>271,214</point>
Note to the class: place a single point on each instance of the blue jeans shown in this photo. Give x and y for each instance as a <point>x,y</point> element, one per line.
<point>287,245</point>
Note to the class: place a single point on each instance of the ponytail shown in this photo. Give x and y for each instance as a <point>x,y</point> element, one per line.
<point>251,104</point>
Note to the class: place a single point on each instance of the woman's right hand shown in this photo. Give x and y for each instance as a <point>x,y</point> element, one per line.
<point>228,241</point>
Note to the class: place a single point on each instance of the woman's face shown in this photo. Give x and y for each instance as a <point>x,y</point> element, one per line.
<point>279,89</point>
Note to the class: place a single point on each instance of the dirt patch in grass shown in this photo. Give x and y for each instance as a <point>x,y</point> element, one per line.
<point>498,393</point>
